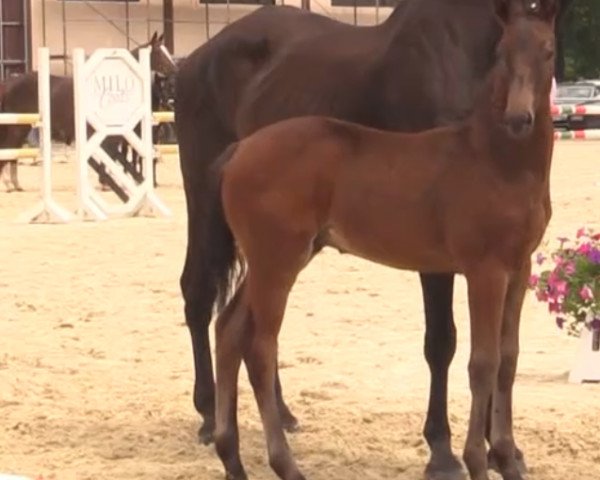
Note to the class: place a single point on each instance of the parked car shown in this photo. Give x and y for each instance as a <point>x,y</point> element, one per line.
<point>575,93</point>
<point>587,121</point>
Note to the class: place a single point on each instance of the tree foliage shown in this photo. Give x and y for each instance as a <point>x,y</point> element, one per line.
<point>579,31</point>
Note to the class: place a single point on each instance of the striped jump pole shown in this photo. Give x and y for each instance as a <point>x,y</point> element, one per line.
<point>575,110</point>
<point>47,210</point>
<point>577,135</point>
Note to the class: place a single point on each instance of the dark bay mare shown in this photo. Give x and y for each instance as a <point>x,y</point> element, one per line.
<point>20,95</point>
<point>472,198</point>
<point>419,69</point>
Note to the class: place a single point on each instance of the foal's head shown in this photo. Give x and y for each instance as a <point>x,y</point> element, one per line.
<point>525,61</point>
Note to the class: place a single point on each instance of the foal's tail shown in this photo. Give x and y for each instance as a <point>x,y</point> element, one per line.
<point>223,267</point>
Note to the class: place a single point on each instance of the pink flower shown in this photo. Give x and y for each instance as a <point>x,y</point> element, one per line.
<point>542,296</point>
<point>540,258</point>
<point>533,281</point>
<point>569,268</point>
<point>584,248</point>
<point>586,293</point>
<point>554,305</point>
<point>560,287</point>
<point>581,232</point>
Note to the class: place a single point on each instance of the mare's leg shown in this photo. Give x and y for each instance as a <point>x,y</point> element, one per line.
<point>3,176</point>
<point>14,176</point>
<point>232,326</point>
<point>440,345</point>
<point>487,287</point>
<point>501,435</point>
<point>200,143</point>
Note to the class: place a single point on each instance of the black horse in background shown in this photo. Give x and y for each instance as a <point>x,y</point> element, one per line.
<point>419,69</point>
<point>20,95</point>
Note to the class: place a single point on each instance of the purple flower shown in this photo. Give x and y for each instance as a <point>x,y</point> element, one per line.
<point>560,322</point>
<point>540,258</point>
<point>593,255</point>
<point>595,324</point>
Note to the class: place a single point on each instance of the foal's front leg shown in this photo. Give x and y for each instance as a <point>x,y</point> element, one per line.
<point>487,287</point>
<point>501,439</point>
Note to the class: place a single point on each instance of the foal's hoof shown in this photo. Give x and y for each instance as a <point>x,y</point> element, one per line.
<point>290,423</point>
<point>519,459</point>
<point>448,468</point>
<point>206,434</point>
<point>231,476</point>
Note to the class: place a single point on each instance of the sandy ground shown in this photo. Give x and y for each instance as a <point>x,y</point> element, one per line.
<point>96,370</point>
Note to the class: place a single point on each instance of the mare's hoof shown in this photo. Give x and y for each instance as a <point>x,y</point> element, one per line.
<point>449,468</point>
<point>206,434</point>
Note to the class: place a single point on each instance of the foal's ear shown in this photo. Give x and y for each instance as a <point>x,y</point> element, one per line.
<point>154,35</point>
<point>550,9</point>
<point>502,8</point>
<point>161,37</point>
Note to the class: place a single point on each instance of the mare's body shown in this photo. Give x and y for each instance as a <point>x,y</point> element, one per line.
<point>472,198</point>
<point>421,68</point>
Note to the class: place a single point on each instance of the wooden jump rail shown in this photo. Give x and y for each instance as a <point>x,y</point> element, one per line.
<point>168,148</point>
<point>48,209</point>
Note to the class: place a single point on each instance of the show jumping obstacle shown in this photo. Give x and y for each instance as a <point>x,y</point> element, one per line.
<point>112,95</point>
<point>48,209</point>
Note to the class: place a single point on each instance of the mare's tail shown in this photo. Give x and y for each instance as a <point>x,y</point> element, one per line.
<point>222,266</point>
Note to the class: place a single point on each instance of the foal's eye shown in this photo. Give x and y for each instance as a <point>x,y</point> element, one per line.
<point>532,6</point>
<point>548,54</point>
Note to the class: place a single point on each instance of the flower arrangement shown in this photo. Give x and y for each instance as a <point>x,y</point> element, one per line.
<point>571,284</point>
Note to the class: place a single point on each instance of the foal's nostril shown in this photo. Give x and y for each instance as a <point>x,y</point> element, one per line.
<point>519,123</point>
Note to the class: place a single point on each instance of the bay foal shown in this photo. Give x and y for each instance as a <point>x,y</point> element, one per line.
<point>478,205</point>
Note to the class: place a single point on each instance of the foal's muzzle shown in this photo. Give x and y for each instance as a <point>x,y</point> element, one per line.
<point>519,124</point>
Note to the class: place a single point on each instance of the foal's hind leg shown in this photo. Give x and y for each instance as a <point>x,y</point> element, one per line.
<point>232,326</point>
<point>501,437</point>
<point>268,284</point>
<point>268,295</point>
<point>440,345</point>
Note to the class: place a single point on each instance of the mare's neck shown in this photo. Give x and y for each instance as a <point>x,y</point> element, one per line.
<point>488,134</point>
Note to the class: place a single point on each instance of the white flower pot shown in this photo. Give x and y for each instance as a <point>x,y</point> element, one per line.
<point>587,364</point>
